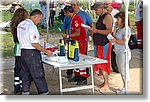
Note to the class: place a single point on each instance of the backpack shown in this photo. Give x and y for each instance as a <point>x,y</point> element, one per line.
<point>133,42</point>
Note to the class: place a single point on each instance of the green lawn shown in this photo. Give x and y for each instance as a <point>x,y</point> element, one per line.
<point>7,45</point>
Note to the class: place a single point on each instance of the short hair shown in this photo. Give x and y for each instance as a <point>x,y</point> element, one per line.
<point>68,9</point>
<point>36,12</point>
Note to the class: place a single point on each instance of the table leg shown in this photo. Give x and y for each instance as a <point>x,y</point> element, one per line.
<point>60,81</point>
<point>92,79</point>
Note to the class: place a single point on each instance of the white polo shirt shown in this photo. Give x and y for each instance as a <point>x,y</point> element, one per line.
<point>27,34</point>
<point>113,13</point>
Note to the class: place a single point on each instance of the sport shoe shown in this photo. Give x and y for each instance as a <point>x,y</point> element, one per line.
<point>45,93</point>
<point>84,82</point>
<point>74,79</point>
<point>25,93</point>
<point>68,76</point>
<point>17,89</point>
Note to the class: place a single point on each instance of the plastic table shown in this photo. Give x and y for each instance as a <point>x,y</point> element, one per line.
<point>84,61</point>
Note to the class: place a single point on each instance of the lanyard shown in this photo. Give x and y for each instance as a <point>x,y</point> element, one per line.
<point>71,22</point>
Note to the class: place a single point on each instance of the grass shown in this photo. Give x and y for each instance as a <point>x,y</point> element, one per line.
<point>5,16</point>
<point>7,45</point>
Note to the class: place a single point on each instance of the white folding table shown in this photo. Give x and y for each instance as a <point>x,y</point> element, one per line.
<point>84,61</point>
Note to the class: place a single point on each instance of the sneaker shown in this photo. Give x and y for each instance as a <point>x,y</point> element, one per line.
<point>17,89</point>
<point>25,93</point>
<point>74,79</point>
<point>68,76</point>
<point>45,93</point>
<point>84,82</point>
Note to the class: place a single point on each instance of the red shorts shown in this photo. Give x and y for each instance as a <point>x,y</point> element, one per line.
<point>83,44</point>
<point>103,52</point>
<point>139,26</point>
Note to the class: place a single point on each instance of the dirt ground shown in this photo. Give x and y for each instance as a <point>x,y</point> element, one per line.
<point>52,78</point>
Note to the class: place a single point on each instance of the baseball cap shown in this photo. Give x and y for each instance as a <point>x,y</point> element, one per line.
<point>75,2</point>
<point>98,5</point>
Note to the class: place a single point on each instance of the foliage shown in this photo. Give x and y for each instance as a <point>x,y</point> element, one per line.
<point>131,14</point>
<point>5,15</point>
<point>7,45</point>
<point>131,7</point>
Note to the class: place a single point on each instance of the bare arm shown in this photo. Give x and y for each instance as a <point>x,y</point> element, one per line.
<point>76,33</point>
<point>92,25</point>
<point>108,21</point>
<point>40,48</point>
<point>121,42</point>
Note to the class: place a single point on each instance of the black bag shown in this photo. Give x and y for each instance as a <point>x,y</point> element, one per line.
<point>133,42</point>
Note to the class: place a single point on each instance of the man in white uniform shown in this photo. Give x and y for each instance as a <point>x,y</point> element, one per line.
<point>32,67</point>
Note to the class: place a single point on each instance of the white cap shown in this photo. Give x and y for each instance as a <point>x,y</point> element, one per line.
<point>17,3</point>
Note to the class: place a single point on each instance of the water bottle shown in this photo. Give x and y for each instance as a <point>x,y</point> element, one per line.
<point>76,52</point>
<point>61,47</point>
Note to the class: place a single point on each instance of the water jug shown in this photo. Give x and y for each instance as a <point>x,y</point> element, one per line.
<point>73,50</point>
<point>61,47</point>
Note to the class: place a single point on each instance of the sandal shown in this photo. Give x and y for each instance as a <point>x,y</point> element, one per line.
<point>106,91</point>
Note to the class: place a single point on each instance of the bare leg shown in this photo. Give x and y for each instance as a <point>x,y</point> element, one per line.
<point>100,73</point>
<point>106,81</point>
<point>123,79</point>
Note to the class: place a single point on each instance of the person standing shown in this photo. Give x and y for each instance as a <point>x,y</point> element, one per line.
<point>61,15</point>
<point>78,33</point>
<point>14,6</point>
<point>19,15</point>
<point>86,20</point>
<point>139,23</point>
<point>31,61</point>
<point>51,18</point>
<point>120,47</point>
<point>113,12</point>
<point>103,46</point>
<point>43,9</point>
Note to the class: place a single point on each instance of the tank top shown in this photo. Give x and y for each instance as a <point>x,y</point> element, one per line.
<point>100,39</point>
